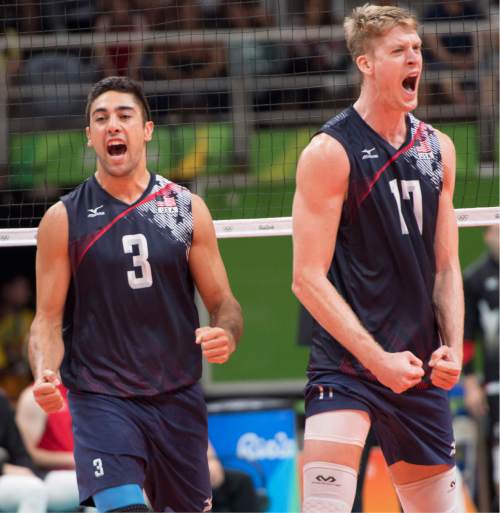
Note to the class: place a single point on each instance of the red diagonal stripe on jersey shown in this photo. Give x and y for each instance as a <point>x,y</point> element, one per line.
<point>390,161</point>
<point>103,230</point>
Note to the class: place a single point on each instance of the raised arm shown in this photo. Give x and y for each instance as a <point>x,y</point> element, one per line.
<point>46,347</point>
<point>448,295</point>
<point>219,339</point>
<point>322,186</point>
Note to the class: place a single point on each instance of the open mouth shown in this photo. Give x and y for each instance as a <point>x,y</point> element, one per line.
<point>115,149</point>
<point>410,83</point>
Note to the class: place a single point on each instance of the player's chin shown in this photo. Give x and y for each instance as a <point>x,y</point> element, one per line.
<point>409,105</point>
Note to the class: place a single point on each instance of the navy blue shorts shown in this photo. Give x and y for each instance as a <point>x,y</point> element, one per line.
<point>159,443</point>
<point>415,426</point>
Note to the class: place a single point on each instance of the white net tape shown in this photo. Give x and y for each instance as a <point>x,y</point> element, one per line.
<point>265,227</point>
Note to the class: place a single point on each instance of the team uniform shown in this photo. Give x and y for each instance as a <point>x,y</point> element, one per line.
<point>384,267</point>
<point>131,364</point>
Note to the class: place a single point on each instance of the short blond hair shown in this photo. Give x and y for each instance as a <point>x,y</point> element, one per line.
<point>372,21</point>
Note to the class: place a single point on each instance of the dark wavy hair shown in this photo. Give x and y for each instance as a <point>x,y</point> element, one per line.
<point>122,85</point>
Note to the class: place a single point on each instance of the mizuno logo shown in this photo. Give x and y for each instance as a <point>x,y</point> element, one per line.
<point>327,479</point>
<point>367,154</point>
<point>94,212</point>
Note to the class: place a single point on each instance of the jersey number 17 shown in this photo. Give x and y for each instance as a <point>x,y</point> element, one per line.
<point>408,187</point>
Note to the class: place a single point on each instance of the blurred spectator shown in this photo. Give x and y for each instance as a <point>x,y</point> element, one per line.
<point>51,69</point>
<point>74,15</point>
<point>313,13</point>
<point>16,315</point>
<point>232,490</point>
<point>451,51</point>
<point>316,55</point>
<point>20,489</point>
<point>188,60</point>
<point>119,58</point>
<point>27,16</point>
<point>482,326</point>
<point>10,57</point>
<point>24,16</point>
<point>49,441</point>
<point>245,14</point>
<point>176,15</point>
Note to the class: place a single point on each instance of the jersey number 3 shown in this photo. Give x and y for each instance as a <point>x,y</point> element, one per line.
<point>408,187</point>
<point>141,277</point>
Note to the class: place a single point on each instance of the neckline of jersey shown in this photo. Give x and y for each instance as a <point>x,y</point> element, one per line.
<point>385,141</point>
<point>146,191</point>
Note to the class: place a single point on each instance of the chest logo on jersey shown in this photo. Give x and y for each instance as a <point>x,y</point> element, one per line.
<point>94,212</point>
<point>166,205</point>
<point>368,154</point>
<point>424,150</point>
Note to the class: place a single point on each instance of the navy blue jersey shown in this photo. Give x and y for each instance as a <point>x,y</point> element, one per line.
<point>130,314</point>
<point>384,265</point>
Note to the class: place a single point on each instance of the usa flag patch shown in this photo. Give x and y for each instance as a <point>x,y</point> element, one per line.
<point>166,205</point>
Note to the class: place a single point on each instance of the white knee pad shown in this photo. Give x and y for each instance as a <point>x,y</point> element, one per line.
<point>437,494</point>
<point>341,426</point>
<point>328,488</point>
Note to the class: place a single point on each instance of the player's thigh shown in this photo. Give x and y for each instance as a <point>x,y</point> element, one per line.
<point>415,428</point>
<point>109,447</point>
<point>336,437</point>
<point>177,472</point>
<point>403,472</point>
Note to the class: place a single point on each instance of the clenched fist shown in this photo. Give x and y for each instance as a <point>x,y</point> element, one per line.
<point>217,344</point>
<point>46,393</point>
<point>446,367</point>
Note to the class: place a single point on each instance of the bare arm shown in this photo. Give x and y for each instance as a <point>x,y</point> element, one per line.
<point>322,185</point>
<point>215,467</point>
<point>226,322</point>
<point>46,347</point>
<point>448,295</point>
<point>31,420</point>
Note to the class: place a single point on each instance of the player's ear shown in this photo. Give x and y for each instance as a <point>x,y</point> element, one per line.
<point>87,132</point>
<point>364,64</point>
<point>148,130</point>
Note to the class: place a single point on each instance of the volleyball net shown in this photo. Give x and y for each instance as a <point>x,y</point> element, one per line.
<point>237,88</point>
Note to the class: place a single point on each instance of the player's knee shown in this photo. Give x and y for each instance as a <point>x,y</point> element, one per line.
<point>328,488</point>
<point>127,497</point>
<point>336,436</point>
<point>439,493</point>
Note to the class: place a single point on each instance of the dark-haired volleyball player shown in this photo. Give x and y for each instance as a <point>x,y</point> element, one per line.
<point>376,264</point>
<point>117,262</point>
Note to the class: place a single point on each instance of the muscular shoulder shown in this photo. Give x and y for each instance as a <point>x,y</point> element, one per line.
<point>55,216</point>
<point>202,220</point>
<point>53,227</point>
<point>323,163</point>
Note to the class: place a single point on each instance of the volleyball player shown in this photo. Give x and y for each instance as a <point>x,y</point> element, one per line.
<point>376,264</point>
<point>116,265</point>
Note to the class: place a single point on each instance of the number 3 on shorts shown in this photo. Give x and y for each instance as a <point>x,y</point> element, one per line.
<point>99,471</point>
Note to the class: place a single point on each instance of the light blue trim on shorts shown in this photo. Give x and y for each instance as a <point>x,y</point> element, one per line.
<point>118,497</point>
